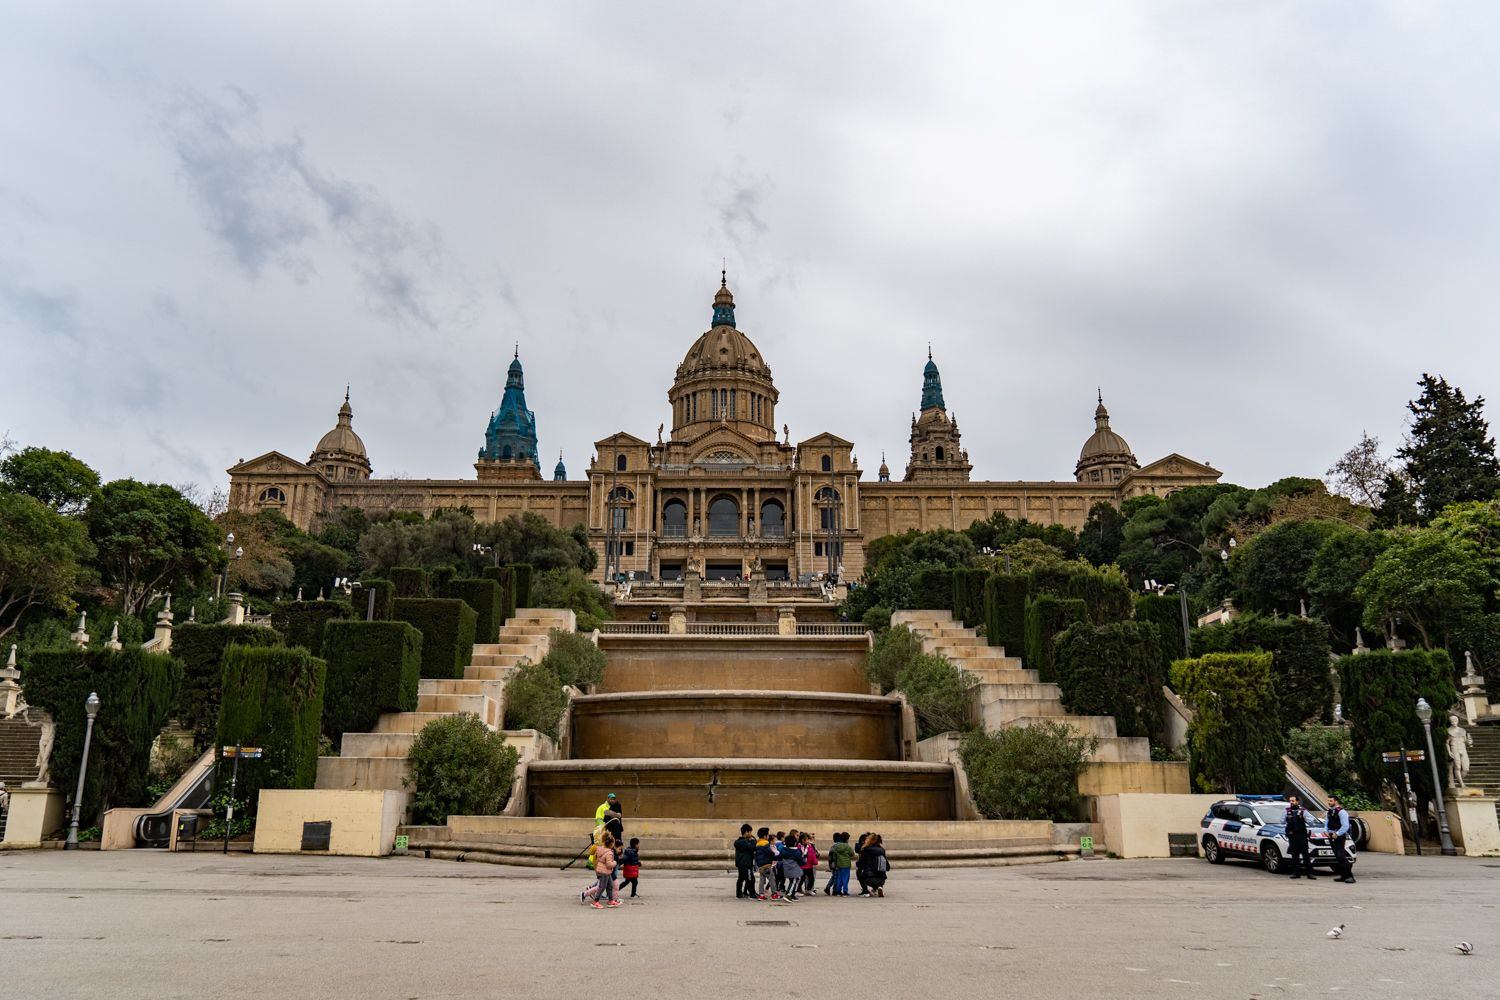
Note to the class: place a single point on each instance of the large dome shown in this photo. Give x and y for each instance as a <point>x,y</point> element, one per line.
<point>342,438</point>
<point>723,347</point>
<point>1104,447</point>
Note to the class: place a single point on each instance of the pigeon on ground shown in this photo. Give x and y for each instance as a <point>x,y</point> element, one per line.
<point>1337,932</point>
<point>1464,948</point>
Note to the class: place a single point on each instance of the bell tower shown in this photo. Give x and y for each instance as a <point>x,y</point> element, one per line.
<point>937,456</point>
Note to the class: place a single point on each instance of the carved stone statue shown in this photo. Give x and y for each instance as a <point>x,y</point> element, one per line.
<point>659,429</point>
<point>786,433</point>
<point>1459,742</point>
<point>44,745</point>
<point>757,568</point>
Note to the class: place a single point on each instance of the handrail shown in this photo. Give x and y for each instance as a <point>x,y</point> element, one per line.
<point>832,628</point>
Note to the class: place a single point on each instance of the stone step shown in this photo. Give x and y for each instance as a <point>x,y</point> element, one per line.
<point>1004,712</point>
<point>493,674</point>
<point>411,722</point>
<point>363,773</point>
<point>1102,726</point>
<point>496,659</point>
<point>376,744</point>
<point>468,686</point>
<point>1123,749</point>
<point>488,709</point>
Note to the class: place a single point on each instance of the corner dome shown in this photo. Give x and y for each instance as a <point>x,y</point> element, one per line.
<point>1104,446</point>
<point>342,438</point>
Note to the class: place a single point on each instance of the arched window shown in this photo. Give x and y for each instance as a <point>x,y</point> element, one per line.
<point>621,498</point>
<point>772,519</point>
<point>724,517</point>
<point>674,519</point>
<point>619,463</point>
<point>827,500</point>
<point>272,494</point>
<point>939,453</point>
<point>827,463</point>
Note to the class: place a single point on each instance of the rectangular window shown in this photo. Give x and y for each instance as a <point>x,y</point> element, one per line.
<point>817,548</point>
<point>1114,474</point>
<point>630,548</point>
<point>734,407</point>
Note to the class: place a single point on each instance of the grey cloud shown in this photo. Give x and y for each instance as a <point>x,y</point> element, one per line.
<point>740,201</point>
<point>43,310</point>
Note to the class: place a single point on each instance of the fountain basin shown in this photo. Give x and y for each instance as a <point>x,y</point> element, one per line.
<point>734,663</point>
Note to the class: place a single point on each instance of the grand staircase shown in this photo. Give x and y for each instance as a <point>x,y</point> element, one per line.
<point>18,748</point>
<point>1484,761</point>
<point>377,760</point>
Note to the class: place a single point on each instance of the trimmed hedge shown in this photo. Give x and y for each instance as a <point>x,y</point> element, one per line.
<point>373,667</point>
<point>136,692</point>
<point>301,622</point>
<point>438,579</point>
<point>1235,739</point>
<point>506,579</point>
<point>968,595</point>
<point>447,627</point>
<point>1047,616</point>
<point>273,699</point>
<point>1380,691</point>
<point>520,575</point>
<point>485,598</point>
<point>1299,648</point>
<point>1164,614</point>
<point>932,589</point>
<point>1005,611</point>
<point>201,650</point>
<point>409,581</point>
<point>385,592</point>
<point>1113,669</point>
<point>1105,593</point>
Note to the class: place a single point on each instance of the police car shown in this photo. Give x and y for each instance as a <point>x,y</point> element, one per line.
<point>1254,827</point>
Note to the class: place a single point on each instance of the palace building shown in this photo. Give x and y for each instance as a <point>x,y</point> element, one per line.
<point>723,494</point>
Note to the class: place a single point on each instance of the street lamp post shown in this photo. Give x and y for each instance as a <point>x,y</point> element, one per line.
<point>1424,712</point>
<point>91,706</point>
<point>224,576</point>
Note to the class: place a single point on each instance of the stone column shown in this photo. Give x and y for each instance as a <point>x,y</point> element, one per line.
<point>113,642</point>
<point>164,626</point>
<point>677,620</point>
<point>1476,701</point>
<point>237,609</point>
<point>786,620</point>
<point>81,636</point>
<point>10,686</point>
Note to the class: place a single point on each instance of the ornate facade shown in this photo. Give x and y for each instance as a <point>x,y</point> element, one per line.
<point>723,494</point>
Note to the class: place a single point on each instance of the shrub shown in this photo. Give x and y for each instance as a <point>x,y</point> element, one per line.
<point>136,692</point>
<point>485,598</point>
<point>574,659</point>
<point>1106,594</point>
<point>894,649</point>
<point>1164,614</point>
<point>1005,611</point>
<point>1045,617</point>
<point>1326,753</point>
<point>535,699</point>
<point>1235,738</point>
<point>201,650</point>
<point>938,692</point>
<point>273,699</point>
<point>1027,772</point>
<point>1299,650</point>
<point>1112,669</point>
<point>373,667</point>
<point>968,595</point>
<point>384,591</point>
<point>876,618</point>
<point>409,581</point>
<point>932,588</point>
<point>459,768</point>
<point>438,579</point>
<point>504,578</point>
<point>301,622</point>
<point>520,574</point>
<point>571,588</point>
<point>447,627</point>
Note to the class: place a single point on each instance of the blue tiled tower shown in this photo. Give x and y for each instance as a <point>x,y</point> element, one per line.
<point>509,450</point>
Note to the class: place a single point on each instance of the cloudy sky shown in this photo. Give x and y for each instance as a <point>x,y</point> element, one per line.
<point>1253,224</point>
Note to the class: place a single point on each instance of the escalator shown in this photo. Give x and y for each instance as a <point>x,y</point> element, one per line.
<point>193,790</point>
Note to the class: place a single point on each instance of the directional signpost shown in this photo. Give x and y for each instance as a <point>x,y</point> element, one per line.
<point>236,752</point>
<point>1408,800</point>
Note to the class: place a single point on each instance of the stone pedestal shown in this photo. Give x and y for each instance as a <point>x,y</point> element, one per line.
<point>35,812</point>
<point>692,587</point>
<point>677,620</point>
<point>759,592</point>
<point>1474,824</point>
<point>786,621</point>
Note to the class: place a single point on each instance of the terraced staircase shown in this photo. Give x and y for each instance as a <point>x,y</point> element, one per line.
<point>1484,761</point>
<point>18,748</point>
<point>377,760</point>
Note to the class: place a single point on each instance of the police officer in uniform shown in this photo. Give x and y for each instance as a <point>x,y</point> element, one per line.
<point>1296,835</point>
<point>1338,825</point>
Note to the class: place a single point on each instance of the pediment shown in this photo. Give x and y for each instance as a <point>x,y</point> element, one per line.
<point>621,439</point>
<point>1176,465</point>
<point>825,440</point>
<point>724,446</point>
<point>272,463</point>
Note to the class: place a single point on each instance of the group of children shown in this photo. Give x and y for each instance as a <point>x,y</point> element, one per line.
<point>602,858</point>
<point>786,864</point>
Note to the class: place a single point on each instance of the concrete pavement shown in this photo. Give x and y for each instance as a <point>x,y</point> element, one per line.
<point>148,924</point>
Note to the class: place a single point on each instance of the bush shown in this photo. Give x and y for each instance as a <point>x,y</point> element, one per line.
<point>301,622</point>
<point>1106,594</point>
<point>136,693</point>
<point>1045,617</point>
<point>894,649</point>
<point>968,595</point>
<point>1027,772</point>
<point>438,579</point>
<point>1112,669</point>
<point>1164,614</point>
<point>1299,648</point>
<point>520,574</point>
<point>409,581</point>
<point>447,627</point>
<point>571,588</point>
<point>574,659</point>
<point>535,699</point>
<point>938,693</point>
<point>485,598</point>
<point>273,699</point>
<point>459,768</point>
<point>932,588</point>
<point>1005,611</point>
<point>503,577</point>
<point>385,592</point>
<point>201,650</point>
<point>876,619</point>
<point>1326,753</point>
<point>1235,738</point>
<point>373,667</point>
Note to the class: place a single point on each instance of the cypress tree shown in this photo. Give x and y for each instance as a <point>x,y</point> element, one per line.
<point>1451,455</point>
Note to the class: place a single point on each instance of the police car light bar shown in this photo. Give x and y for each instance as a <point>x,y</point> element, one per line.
<point>1262,798</point>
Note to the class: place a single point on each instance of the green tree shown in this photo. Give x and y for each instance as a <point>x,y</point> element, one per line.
<point>1450,456</point>
<point>1235,739</point>
<point>569,588</point>
<point>535,699</point>
<point>149,537</point>
<point>1432,580</point>
<point>574,659</point>
<point>1343,559</point>
<point>1271,569</point>
<point>1114,669</point>
<point>1398,503</point>
<point>942,547</point>
<point>1102,535</point>
<point>41,556</point>
<point>459,767</point>
<point>530,538</point>
<point>939,693</point>
<point>895,648</point>
<point>1027,772</point>
<point>1360,472</point>
<point>56,478</point>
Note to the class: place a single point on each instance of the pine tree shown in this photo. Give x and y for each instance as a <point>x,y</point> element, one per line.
<point>1450,457</point>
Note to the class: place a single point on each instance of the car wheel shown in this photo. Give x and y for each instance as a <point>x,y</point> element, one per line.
<point>1211,851</point>
<point>1270,858</point>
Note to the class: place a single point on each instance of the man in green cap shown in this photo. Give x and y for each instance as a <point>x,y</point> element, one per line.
<point>610,815</point>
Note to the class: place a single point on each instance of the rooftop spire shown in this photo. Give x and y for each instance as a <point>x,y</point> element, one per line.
<point>724,302</point>
<point>932,385</point>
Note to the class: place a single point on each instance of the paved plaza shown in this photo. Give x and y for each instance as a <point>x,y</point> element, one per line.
<point>154,925</point>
